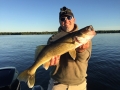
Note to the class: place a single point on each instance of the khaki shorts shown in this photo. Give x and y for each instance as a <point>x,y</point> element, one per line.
<point>51,86</point>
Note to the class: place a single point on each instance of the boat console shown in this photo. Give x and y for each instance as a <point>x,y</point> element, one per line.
<point>9,81</point>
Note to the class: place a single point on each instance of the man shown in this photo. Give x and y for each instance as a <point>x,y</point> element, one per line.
<point>67,73</point>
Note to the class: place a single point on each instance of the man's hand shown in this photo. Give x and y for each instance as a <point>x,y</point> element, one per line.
<point>54,60</point>
<point>82,48</point>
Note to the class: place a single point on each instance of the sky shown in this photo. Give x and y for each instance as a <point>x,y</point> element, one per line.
<point>43,15</point>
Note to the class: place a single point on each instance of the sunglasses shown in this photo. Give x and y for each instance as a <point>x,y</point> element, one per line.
<point>67,17</point>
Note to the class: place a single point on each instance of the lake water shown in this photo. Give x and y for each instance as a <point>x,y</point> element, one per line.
<point>104,65</point>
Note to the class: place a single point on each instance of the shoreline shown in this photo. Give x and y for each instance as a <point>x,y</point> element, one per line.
<point>54,32</point>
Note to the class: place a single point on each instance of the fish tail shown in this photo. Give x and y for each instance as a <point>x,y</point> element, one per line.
<point>31,81</point>
<point>26,77</point>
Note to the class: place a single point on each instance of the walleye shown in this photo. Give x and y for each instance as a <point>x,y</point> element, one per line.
<point>64,44</point>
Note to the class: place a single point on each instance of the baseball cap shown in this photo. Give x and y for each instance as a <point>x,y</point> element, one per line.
<point>64,11</point>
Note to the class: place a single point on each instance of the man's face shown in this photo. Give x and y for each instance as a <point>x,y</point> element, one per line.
<point>67,23</point>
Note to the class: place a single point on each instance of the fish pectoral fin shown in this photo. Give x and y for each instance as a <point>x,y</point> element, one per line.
<point>31,81</point>
<point>75,40</point>
<point>72,54</point>
<point>38,50</point>
<point>46,65</point>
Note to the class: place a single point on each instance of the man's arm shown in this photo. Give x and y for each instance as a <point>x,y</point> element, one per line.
<point>84,51</point>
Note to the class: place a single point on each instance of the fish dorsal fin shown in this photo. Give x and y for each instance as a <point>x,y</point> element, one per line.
<point>38,50</point>
<point>72,54</point>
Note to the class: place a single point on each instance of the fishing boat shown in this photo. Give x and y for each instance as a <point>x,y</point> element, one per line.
<point>9,81</point>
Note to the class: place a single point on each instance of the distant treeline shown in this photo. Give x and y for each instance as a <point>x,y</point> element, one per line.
<point>54,32</point>
<point>108,31</point>
<point>26,33</point>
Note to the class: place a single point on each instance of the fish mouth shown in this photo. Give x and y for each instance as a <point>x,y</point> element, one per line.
<point>87,34</point>
<point>89,30</point>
